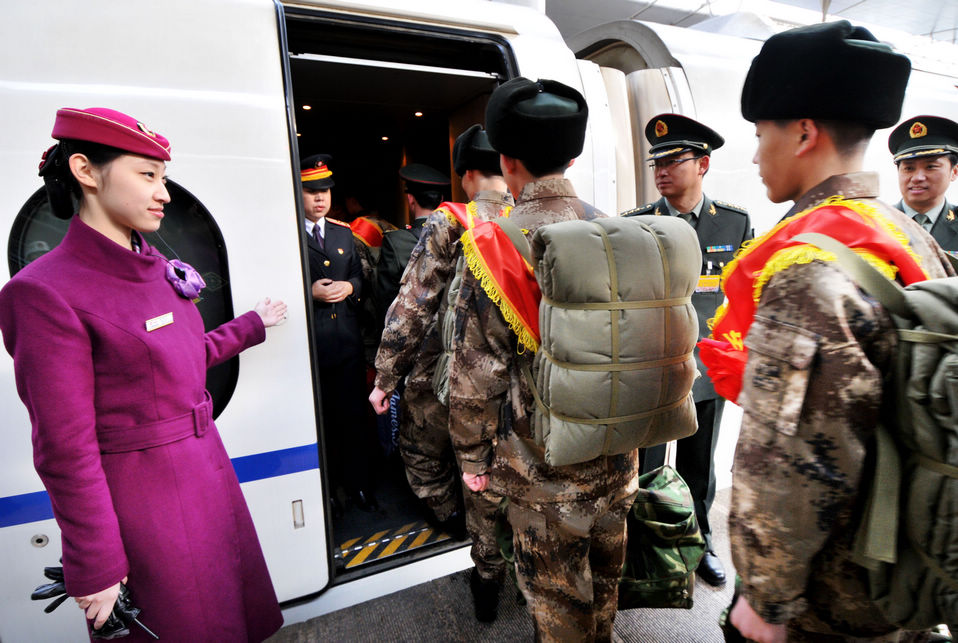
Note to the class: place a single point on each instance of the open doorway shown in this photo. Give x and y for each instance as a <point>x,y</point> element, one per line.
<point>377,95</point>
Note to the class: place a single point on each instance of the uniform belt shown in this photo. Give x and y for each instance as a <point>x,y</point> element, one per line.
<point>146,436</point>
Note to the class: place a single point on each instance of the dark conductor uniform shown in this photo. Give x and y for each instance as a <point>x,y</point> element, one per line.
<point>922,137</point>
<point>721,229</point>
<point>426,187</point>
<point>339,350</point>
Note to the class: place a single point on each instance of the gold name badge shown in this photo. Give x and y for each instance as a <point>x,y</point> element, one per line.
<point>708,283</point>
<point>159,322</point>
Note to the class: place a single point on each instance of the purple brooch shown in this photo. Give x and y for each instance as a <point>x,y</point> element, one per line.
<point>185,280</point>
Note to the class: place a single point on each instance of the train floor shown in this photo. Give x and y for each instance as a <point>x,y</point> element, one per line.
<point>441,610</point>
<point>396,527</point>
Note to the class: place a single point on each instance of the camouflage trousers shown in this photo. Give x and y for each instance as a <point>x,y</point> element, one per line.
<point>569,559</point>
<point>481,511</point>
<point>426,450</point>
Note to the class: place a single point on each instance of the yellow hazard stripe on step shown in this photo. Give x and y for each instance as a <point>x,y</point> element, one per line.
<point>383,544</point>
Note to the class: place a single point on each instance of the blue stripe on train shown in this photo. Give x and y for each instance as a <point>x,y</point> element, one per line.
<point>32,507</point>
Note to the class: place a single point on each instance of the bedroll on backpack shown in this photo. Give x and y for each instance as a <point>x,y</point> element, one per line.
<point>615,366</point>
<point>908,537</point>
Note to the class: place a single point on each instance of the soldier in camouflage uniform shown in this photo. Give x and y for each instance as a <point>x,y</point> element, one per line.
<point>411,346</point>
<point>568,522</point>
<point>817,347</point>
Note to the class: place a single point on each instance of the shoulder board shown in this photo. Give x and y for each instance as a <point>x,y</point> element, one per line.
<point>645,209</point>
<point>338,222</point>
<point>730,206</point>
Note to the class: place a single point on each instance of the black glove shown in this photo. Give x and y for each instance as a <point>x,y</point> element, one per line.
<point>117,624</point>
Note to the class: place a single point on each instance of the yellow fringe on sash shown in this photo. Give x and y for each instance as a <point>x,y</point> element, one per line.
<point>478,267</point>
<point>806,254</point>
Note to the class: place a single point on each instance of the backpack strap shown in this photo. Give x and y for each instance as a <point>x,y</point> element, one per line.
<point>889,293</point>
<point>517,238</point>
<point>876,540</point>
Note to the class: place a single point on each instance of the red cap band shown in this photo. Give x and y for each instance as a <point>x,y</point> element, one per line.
<point>110,127</point>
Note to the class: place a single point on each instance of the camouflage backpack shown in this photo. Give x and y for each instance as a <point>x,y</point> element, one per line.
<point>908,536</point>
<point>665,545</point>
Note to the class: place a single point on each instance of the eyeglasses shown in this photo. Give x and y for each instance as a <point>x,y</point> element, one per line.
<point>668,164</point>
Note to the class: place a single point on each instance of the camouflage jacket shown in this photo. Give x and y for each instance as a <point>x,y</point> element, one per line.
<point>490,405</point>
<point>410,341</point>
<point>811,394</point>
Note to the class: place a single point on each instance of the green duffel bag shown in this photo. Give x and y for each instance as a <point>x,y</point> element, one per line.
<point>664,546</point>
<point>615,365</point>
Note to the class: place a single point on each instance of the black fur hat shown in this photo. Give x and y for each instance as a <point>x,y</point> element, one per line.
<point>542,121</point>
<point>829,71</point>
<point>472,151</point>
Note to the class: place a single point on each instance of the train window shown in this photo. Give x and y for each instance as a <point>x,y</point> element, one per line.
<point>188,233</point>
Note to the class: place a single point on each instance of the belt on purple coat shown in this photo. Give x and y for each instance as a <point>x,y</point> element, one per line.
<point>146,436</point>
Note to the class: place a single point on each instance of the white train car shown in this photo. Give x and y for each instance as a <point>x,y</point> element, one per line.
<point>243,88</point>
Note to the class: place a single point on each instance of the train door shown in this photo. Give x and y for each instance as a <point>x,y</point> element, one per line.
<point>376,94</point>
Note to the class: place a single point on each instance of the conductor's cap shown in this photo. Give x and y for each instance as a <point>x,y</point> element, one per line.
<point>542,121</point>
<point>314,172</point>
<point>112,128</point>
<point>472,151</point>
<point>830,71</point>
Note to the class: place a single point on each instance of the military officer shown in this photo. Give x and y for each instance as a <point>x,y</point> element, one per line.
<point>414,345</point>
<point>568,522</point>
<point>680,155</point>
<point>425,188</point>
<point>802,349</point>
<point>926,154</point>
<point>336,277</point>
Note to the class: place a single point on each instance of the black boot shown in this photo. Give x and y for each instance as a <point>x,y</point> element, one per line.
<point>485,597</point>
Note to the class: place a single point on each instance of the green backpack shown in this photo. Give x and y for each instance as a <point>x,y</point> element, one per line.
<point>908,535</point>
<point>615,365</point>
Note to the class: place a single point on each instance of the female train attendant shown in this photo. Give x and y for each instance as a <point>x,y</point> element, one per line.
<point>110,359</point>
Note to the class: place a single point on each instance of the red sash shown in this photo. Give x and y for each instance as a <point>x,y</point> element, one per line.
<point>367,232</point>
<point>856,224</point>
<point>459,213</point>
<point>506,277</point>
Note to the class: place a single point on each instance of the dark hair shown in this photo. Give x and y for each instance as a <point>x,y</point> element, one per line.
<point>539,168</point>
<point>952,158</point>
<point>845,135</point>
<point>63,190</point>
<point>429,199</point>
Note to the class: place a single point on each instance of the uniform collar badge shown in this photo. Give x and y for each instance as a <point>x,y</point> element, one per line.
<point>712,209</point>
<point>951,215</point>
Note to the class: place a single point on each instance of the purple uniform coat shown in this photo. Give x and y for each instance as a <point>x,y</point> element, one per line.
<point>124,440</point>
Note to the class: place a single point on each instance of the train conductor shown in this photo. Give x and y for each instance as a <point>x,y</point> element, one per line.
<point>335,273</point>
<point>680,155</point>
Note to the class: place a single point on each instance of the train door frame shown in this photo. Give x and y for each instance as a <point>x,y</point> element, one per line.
<point>392,32</point>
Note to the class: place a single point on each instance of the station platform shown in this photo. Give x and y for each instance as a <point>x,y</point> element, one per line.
<point>441,610</point>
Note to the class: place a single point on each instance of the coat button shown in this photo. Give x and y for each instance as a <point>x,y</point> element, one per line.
<point>326,263</point>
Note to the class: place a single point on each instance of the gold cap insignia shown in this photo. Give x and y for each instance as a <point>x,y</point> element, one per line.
<point>661,129</point>
<point>918,130</point>
<point>146,130</point>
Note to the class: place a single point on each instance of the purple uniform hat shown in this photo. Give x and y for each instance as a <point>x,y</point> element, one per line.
<point>110,127</point>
